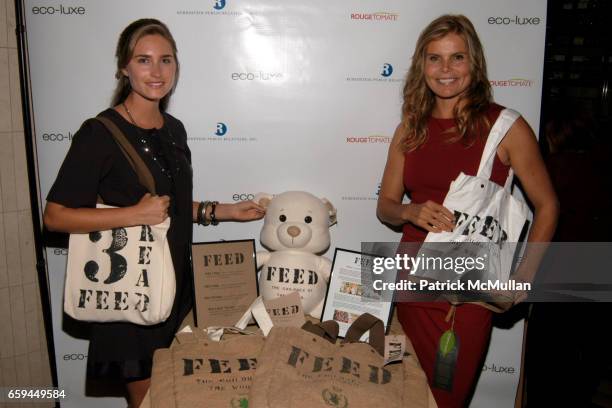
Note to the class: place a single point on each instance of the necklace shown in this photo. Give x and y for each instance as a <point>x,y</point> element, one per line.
<point>129,114</point>
<point>154,152</point>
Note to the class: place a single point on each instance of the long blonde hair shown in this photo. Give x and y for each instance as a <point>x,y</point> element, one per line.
<point>419,100</point>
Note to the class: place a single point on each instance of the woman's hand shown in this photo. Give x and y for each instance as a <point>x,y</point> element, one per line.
<point>430,216</point>
<point>246,211</point>
<point>151,210</point>
<point>240,211</point>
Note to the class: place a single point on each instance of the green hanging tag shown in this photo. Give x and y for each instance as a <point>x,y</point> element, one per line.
<point>446,361</point>
<point>447,342</point>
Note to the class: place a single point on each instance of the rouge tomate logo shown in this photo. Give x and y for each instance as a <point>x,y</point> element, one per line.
<point>369,139</point>
<point>383,16</point>
<point>512,83</point>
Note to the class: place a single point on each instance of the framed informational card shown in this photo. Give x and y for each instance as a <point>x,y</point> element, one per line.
<point>225,279</point>
<point>349,295</point>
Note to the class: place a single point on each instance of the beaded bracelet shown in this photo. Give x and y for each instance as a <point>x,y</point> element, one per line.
<point>213,217</point>
<point>201,214</point>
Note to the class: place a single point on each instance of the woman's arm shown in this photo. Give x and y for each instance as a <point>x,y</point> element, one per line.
<point>520,150</point>
<point>150,210</point>
<point>240,211</point>
<point>429,215</point>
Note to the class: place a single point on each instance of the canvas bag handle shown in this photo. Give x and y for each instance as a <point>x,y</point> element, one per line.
<point>364,323</point>
<point>327,330</point>
<point>142,171</point>
<point>500,128</point>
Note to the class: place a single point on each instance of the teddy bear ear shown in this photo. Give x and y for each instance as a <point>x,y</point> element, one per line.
<point>263,199</point>
<point>331,210</point>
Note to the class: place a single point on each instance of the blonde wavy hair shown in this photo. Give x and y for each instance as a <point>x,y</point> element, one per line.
<point>419,100</point>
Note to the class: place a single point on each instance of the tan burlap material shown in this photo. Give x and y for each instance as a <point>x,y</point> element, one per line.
<point>299,369</point>
<point>197,372</point>
<point>409,365</point>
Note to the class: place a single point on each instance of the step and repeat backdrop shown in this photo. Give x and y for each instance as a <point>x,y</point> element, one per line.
<point>275,96</point>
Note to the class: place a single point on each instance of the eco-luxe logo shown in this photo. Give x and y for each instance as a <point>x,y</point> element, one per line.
<point>59,10</point>
<point>257,76</point>
<point>75,357</point>
<point>54,136</point>
<point>243,196</point>
<point>383,16</point>
<point>514,20</point>
<point>499,369</point>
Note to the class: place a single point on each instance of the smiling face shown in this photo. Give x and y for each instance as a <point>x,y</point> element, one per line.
<point>152,68</point>
<point>447,67</point>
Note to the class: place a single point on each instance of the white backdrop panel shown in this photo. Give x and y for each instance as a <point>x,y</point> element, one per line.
<point>275,96</point>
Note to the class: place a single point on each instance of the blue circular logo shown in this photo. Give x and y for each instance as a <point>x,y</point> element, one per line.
<point>221,129</point>
<point>219,4</point>
<point>387,70</point>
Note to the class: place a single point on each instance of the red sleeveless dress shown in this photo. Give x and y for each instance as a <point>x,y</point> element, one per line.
<point>428,172</point>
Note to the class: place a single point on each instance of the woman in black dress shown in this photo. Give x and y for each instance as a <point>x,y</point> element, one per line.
<point>147,68</point>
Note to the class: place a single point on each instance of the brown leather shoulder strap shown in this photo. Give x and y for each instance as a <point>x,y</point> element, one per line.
<point>327,330</point>
<point>364,323</point>
<point>142,171</point>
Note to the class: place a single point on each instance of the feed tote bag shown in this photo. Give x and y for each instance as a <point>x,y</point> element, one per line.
<point>485,213</point>
<point>299,369</point>
<point>124,274</point>
<point>199,372</point>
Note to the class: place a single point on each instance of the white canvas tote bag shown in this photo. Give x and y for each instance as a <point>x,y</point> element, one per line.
<point>124,274</point>
<point>485,212</point>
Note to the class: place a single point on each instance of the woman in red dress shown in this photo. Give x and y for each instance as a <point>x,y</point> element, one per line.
<point>446,117</point>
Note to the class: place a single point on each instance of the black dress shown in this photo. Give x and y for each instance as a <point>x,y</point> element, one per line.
<point>95,165</point>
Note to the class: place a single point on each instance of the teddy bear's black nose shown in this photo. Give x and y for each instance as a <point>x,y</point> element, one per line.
<point>293,231</point>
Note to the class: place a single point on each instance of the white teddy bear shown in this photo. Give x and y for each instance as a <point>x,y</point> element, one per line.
<point>296,228</point>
